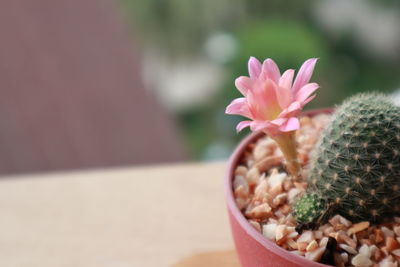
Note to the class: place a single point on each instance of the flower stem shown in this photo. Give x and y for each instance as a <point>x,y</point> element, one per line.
<point>287,144</point>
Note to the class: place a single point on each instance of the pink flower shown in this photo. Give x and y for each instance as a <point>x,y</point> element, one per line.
<point>273,101</point>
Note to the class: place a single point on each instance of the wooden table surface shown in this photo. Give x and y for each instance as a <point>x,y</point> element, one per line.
<point>171,215</point>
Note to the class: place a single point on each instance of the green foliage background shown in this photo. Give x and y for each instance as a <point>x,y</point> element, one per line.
<point>283,30</point>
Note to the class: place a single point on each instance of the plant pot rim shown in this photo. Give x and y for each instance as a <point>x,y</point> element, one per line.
<point>237,214</point>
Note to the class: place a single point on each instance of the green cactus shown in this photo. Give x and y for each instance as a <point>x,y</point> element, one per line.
<point>355,166</point>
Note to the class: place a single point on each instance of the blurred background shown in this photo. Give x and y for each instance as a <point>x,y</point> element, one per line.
<point>107,83</point>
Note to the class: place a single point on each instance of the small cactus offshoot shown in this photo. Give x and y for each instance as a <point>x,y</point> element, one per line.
<point>355,167</point>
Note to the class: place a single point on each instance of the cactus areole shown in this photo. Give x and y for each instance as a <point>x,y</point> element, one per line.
<point>355,167</point>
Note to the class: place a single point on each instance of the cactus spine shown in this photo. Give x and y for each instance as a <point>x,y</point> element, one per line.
<point>355,167</point>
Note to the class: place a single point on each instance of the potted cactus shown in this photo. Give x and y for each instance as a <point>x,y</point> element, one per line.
<point>313,188</point>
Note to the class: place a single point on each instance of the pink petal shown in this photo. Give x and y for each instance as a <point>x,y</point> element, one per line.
<point>306,91</point>
<point>291,124</point>
<point>304,75</point>
<point>243,84</point>
<point>279,121</point>
<point>293,110</point>
<point>259,125</point>
<point>241,125</point>
<point>262,100</point>
<point>308,100</point>
<point>239,107</point>
<point>284,96</point>
<point>287,79</point>
<point>271,70</point>
<point>267,127</point>
<point>254,68</point>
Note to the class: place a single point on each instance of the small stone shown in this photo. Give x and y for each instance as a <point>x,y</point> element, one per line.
<point>287,185</point>
<point>348,248</point>
<point>292,194</point>
<point>361,260</point>
<point>377,255</point>
<point>391,243</point>
<point>241,192</point>
<point>293,234</point>
<point>292,244</point>
<point>302,246</point>
<point>396,230</point>
<point>396,252</point>
<point>239,181</point>
<point>268,231</point>
<point>252,176</point>
<point>268,162</point>
<point>366,242</point>
<point>280,232</point>
<point>315,255</point>
<point>260,212</point>
<point>358,227</point>
<point>323,242</point>
<point>261,190</point>
<point>385,251</point>
<point>263,148</point>
<point>364,249</point>
<point>388,262</point>
<point>313,245</point>
<point>276,178</point>
<point>387,232</point>
<point>285,209</point>
<point>241,170</point>
<point>318,234</point>
<point>346,239</point>
<point>379,236</point>
<point>300,185</point>
<point>279,200</point>
<point>328,230</point>
<point>306,236</point>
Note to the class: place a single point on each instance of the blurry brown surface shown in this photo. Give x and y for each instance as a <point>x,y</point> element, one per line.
<point>152,216</point>
<point>70,92</point>
<point>226,258</point>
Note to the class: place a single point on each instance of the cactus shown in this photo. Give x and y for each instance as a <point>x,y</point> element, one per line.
<point>355,166</point>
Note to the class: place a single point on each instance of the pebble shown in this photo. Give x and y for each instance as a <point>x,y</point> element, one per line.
<point>292,194</point>
<point>252,176</point>
<point>260,212</point>
<point>361,260</point>
<point>387,232</point>
<point>306,236</point>
<point>396,252</point>
<point>397,230</point>
<point>279,199</point>
<point>280,232</point>
<point>348,249</point>
<point>357,227</point>
<point>276,179</point>
<point>313,245</point>
<point>315,255</point>
<point>268,230</point>
<point>364,249</point>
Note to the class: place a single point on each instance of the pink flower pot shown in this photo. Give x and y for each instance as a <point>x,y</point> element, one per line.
<point>253,248</point>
